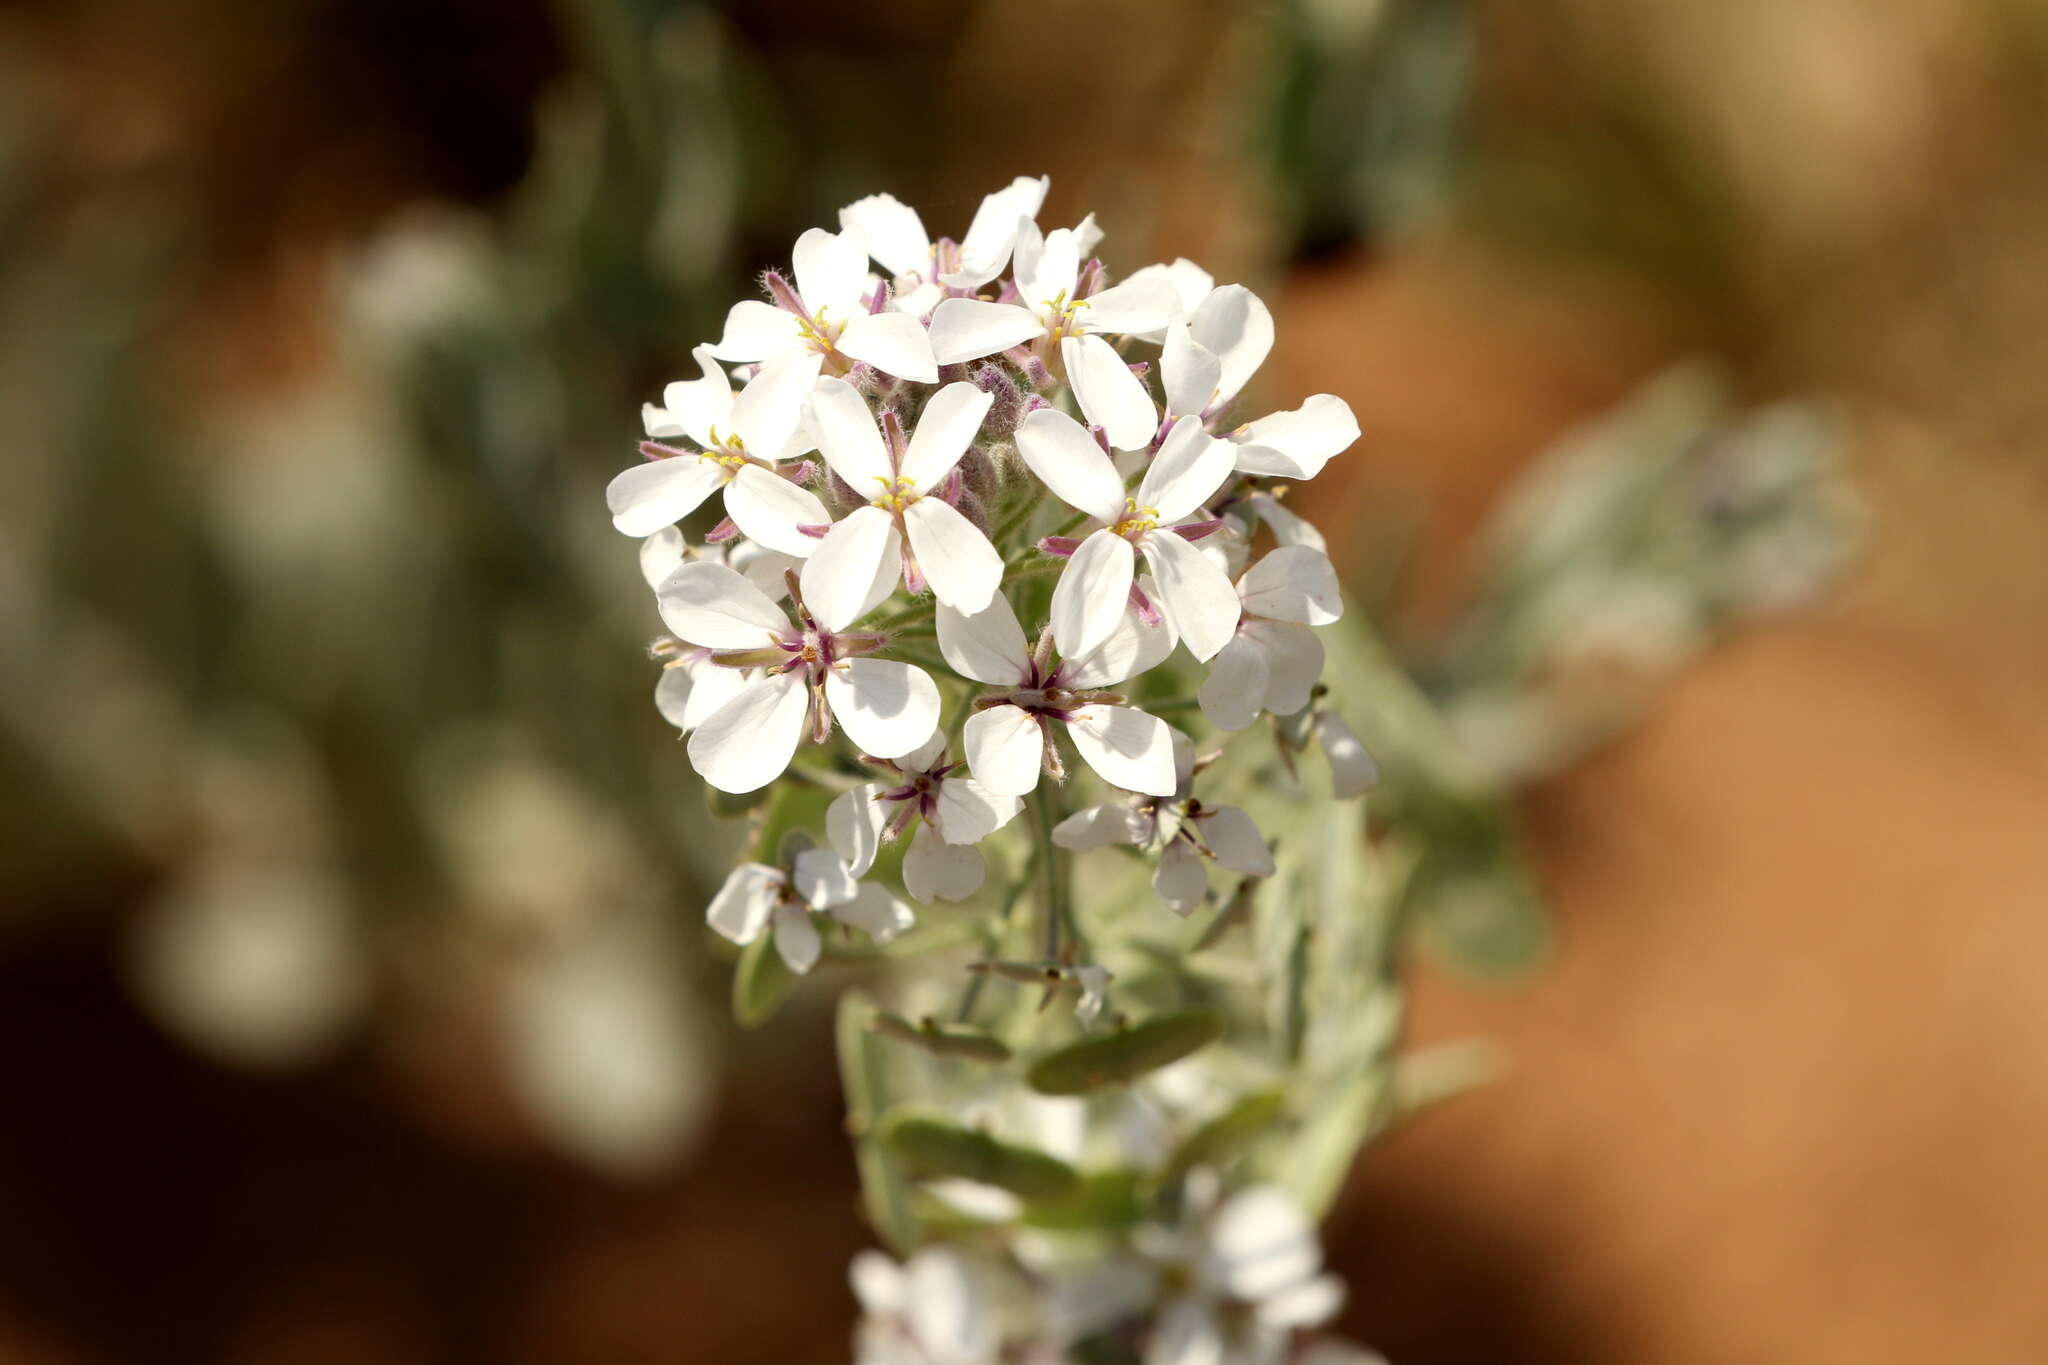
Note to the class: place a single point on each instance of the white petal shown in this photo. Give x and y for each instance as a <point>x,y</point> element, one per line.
<point>963,569</point>
<point>987,646</point>
<point>761,566</point>
<point>1133,647</point>
<point>1236,327</point>
<point>1196,596</point>
<point>1180,879</point>
<point>661,554</point>
<point>1066,459</point>
<point>710,605</point>
<point>1288,528</point>
<point>688,693</point>
<point>1047,264</point>
<point>949,421</point>
<point>918,302</point>
<point>936,870</point>
<point>831,272</point>
<point>770,510</point>
<point>1235,840</point>
<point>894,343</point>
<point>894,234</point>
<point>770,408</point>
<point>947,1311</point>
<point>1190,467</point>
<point>840,576</point>
<point>1005,749</point>
<point>1133,306</point>
<point>854,823</point>
<point>1126,747</point>
<point>877,1281</point>
<point>822,879</point>
<point>1294,661</point>
<point>796,938</point>
<point>968,329</point>
<point>1191,284</point>
<point>741,906</point>
<point>849,439</point>
<point>1094,593</point>
<point>1096,827</point>
<point>1352,770</point>
<point>693,407</point>
<point>1309,1304</point>
<point>1189,371</point>
<point>968,812</point>
<point>748,742</point>
<point>875,912</point>
<point>1187,1333</point>
<point>1235,690</point>
<point>1110,395</point>
<point>755,330</point>
<point>990,238</point>
<point>885,706</point>
<point>925,756</point>
<point>1293,583</point>
<point>1262,1243</point>
<point>660,493</point>
<point>1296,444</point>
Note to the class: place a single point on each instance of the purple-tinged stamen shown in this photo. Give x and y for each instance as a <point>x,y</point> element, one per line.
<point>785,297</point>
<point>1059,547</point>
<point>726,530</point>
<point>1101,435</point>
<point>655,450</point>
<point>1196,530</point>
<point>1147,610</point>
<point>814,529</point>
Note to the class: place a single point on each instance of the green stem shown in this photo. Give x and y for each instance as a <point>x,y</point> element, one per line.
<point>1052,866</point>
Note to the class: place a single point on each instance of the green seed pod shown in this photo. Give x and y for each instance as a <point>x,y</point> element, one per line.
<point>1121,1057</point>
<point>944,1040</point>
<point>937,1147</point>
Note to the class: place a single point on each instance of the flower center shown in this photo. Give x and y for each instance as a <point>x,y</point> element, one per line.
<point>1062,316</point>
<point>820,333</point>
<point>1135,520</point>
<point>897,493</point>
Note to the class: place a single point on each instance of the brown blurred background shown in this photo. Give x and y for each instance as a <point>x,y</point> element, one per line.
<point>1777,1093</point>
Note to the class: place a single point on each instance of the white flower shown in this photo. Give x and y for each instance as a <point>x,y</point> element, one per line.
<point>1352,770</point>
<point>953,813</point>
<point>827,316</point>
<point>1008,739</point>
<point>815,668</point>
<point>947,551</point>
<point>924,269</point>
<point>1195,594</point>
<point>662,553</point>
<point>1182,828</point>
<point>1253,1274</point>
<point>756,896</point>
<point>1050,307</point>
<point>739,440</point>
<point>1274,660</point>
<point>930,1310</point>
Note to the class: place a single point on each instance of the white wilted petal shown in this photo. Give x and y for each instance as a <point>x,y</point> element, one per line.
<point>1094,592</point>
<point>875,912</point>
<point>1233,693</point>
<point>710,605</point>
<point>772,511</point>
<point>848,437</point>
<point>1180,879</point>
<point>854,823</point>
<point>748,742</point>
<point>659,493</point>
<point>1235,326</point>
<point>742,905</point>
<point>1109,394</point>
<point>948,423</point>
<point>1066,459</point>
<point>935,869</point>
<point>894,343</point>
<point>1293,583</point>
<point>822,879</point>
<point>841,572</point>
<point>957,559</point>
<point>1126,747</point>
<point>987,646</point>
<point>796,938</point>
<point>1005,749</point>
<point>968,329</point>
<point>1190,467</point>
<point>831,271</point>
<point>894,234</point>
<point>1296,444</point>
<point>885,706</point>
<point>1196,596</point>
<point>1236,841</point>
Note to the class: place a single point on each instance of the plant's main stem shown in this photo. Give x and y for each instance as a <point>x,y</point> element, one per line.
<point>1052,866</point>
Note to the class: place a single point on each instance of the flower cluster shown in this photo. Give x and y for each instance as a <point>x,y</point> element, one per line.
<point>983,511</point>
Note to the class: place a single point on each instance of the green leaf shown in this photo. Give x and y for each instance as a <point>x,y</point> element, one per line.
<point>944,1040</point>
<point>1223,1135</point>
<point>1103,1199</point>
<point>760,983</point>
<point>1121,1057</point>
<point>883,1192</point>
<point>935,1146</point>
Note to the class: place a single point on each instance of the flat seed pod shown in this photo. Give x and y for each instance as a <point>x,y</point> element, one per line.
<point>1121,1057</point>
<point>944,1040</point>
<point>934,1147</point>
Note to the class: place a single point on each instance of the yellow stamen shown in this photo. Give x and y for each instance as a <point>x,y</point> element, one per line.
<point>897,493</point>
<point>1136,520</point>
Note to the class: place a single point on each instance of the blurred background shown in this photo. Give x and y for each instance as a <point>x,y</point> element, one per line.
<point>354,1002</point>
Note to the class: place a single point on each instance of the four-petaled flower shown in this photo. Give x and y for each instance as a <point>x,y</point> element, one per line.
<point>834,314</point>
<point>756,896</point>
<point>1095,588</point>
<point>952,811</point>
<point>897,476</point>
<point>924,269</point>
<point>1009,738</point>
<point>815,667</point>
